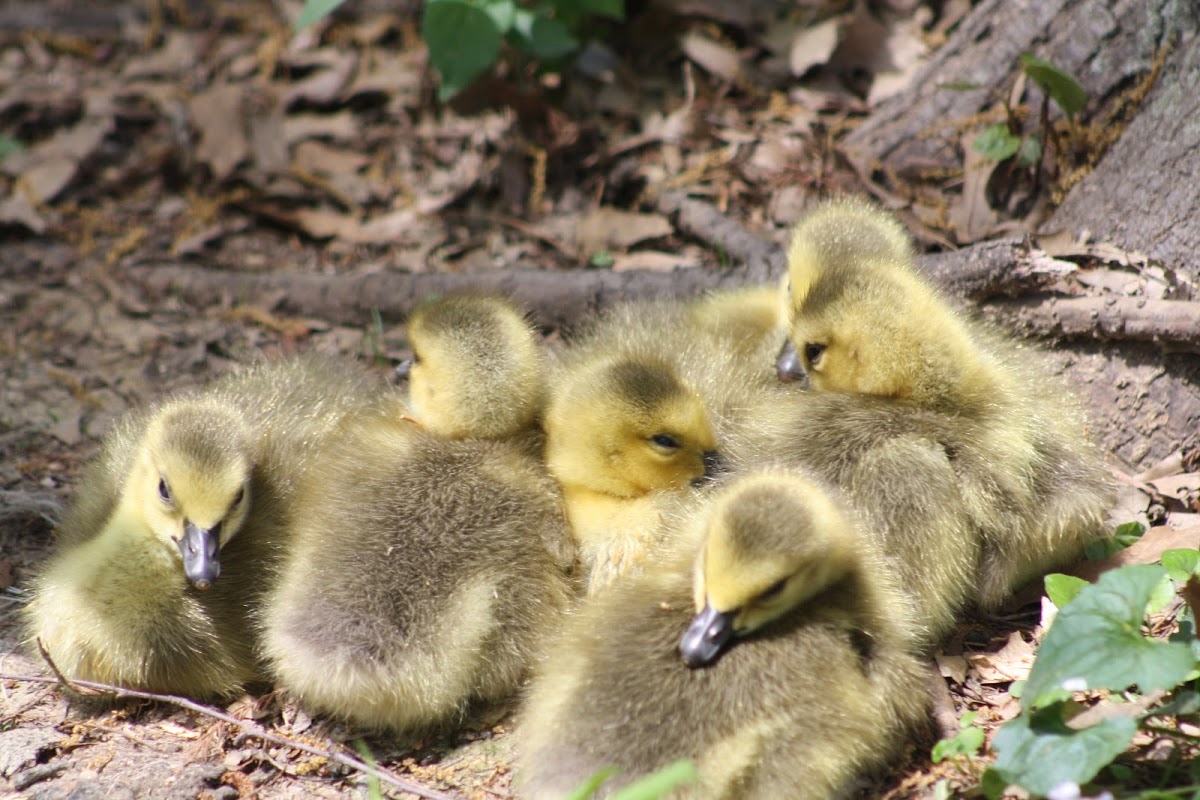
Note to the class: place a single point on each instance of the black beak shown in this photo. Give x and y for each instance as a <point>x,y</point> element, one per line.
<point>404,369</point>
<point>715,466</point>
<point>788,366</point>
<point>706,637</point>
<point>201,554</point>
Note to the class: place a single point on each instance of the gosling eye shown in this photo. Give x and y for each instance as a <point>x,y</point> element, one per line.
<point>773,590</point>
<point>665,441</point>
<point>239,497</point>
<point>164,491</point>
<point>813,353</point>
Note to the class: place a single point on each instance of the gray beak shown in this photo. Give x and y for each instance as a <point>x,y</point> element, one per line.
<point>788,366</point>
<point>706,637</point>
<point>714,466</point>
<point>201,553</point>
<point>404,369</point>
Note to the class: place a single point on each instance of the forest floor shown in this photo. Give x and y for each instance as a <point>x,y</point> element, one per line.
<point>211,136</point>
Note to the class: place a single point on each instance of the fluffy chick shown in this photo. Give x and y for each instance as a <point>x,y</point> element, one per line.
<point>176,525</point>
<point>770,649</point>
<point>425,566</point>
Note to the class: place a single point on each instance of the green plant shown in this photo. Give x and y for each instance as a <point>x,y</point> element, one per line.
<point>374,790</point>
<point>651,787</point>
<point>465,37</point>
<point>1096,643</point>
<point>964,743</point>
<point>1006,140</point>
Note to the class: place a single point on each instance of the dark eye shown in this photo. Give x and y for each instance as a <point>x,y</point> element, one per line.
<point>164,491</point>
<point>813,352</point>
<point>241,495</point>
<point>774,589</point>
<point>666,441</point>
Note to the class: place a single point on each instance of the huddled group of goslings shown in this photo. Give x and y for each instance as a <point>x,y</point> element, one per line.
<point>664,550</point>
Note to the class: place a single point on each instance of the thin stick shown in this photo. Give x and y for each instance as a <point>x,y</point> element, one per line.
<point>250,729</point>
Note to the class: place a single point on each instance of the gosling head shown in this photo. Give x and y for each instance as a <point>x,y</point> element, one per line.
<point>477,367</point>
<point>191,482</point>
<point>860,317</point>
<point>627,427</point>
<point>771,542</point>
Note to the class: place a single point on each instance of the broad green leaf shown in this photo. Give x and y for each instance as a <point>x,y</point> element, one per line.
<point>1096,641</point>
<point>463,41</point>
<point>996,142</point>
<point>543,37</point>
<point>1125,535</point>
<point>1182,563</point>
<point>992,785</point>
<point>589,787</point>
<point>1061,589</point>
<point>1039,752</point>
<point>1062,88</point>
<point>659,783</point>
<point>315,10</point>
<point>614,9</point>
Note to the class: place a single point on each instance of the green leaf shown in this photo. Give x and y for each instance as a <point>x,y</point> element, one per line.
<point>1062,88</point>
<point>463,40</point>
<point>657,784</point>
<point>543,37</point>
<point>1181,564</point>
<point>960,86</point>
<point>1129,532</point>
<point>9,146</point>
<point>965,743</point>
<point>996,142</point>
<point>315,10</point>
<point>1163,593</point>
<point>601,259</point>
<point>1030,152</point>
<point>992,785</point>
<point>1061,589</point>
<point>613,9</point>
<point>1039,752</point>
<point>589,787</point>
<point>502,12</point>
<point>1096,641</point>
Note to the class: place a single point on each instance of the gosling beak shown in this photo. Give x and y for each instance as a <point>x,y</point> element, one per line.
<point>404,369</point>
<point>200,548</point>
<point>715,465</point>
<point>788,365</point>
<point>706,637</point>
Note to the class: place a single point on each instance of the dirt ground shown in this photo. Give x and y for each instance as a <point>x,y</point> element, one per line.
<point>135,136</point>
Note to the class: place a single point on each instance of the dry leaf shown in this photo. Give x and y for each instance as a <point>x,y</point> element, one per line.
<point>813,46</point>
<point>972,215</point>
<point>342,125</point>
<point>719,59</point>
<point>324,86</point>
<point>45,181</point>
<point>652,260</point>
<point>216,113</point>
<point>609,228</point>
<point>952,667</point>
<point>176,57</point>
<point>16,209</point>
<point>1011,662</point>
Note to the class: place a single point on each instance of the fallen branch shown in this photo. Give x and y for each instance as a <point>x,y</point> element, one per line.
<point>558,298</point>
<point>120,693</point>
<point>1173,323</point>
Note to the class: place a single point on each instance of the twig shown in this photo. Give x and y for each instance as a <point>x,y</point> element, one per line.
<point>249,728</point>
<point>1165,322</point>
